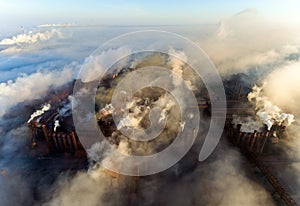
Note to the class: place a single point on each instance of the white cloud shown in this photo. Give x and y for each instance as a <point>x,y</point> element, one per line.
<point>33,86</point>
<point>248,40</point>
<point>94,66</point>
<point>31,37</point>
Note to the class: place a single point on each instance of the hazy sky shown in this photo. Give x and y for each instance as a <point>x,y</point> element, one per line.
<point>121,12</point>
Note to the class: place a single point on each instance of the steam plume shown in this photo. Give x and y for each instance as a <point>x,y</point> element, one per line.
<point>31,37</point>
<point>268,113</point>
<point>37,113</point>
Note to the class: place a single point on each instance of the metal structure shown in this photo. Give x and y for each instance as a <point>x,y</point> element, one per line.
<point>252,145</point>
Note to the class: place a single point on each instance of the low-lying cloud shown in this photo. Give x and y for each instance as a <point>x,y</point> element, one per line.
<point>33,86</point>
<point>31,37</point>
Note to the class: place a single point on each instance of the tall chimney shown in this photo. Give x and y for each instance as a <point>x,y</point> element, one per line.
<point>50,145</point>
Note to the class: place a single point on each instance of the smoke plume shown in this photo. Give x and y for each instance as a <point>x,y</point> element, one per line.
<point>283,88</point>
<point>33,86</point>
<point>269,113</point>
<point>37,113</point>
<point>244,43</point>
<point>31,37</point>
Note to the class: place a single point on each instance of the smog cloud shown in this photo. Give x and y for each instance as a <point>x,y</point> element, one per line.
<point>283,88</point>
<point>34,86</point>
<point>241,44</point>
<point>249,41</point>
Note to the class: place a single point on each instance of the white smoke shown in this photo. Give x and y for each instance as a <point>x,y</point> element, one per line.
<point>17,178</point>
<point>165,103</point>
<point>177,60</point>
<point>224,177</point>
<point>31,37</point>
<point>128,122</point>
<point>269,113</point>
<point>94,66</point>
<point>283,88</point>
<point>83,189</point>
<point>108,109</point>
<point>14,188</point>
<point>33,86</point>
<point>237,46</point>
<point>56,25</point>
<point>247,40</point>
<point>38,113</point>
<point>134,118</point>
<point>223,32</point>
<point>66,109</point>
<point>56,124</point>
<point>249,124</point>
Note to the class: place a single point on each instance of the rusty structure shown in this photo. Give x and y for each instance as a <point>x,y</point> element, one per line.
<point>62,139</point>
<point>272,179</point>
<point>57,142</point>
<point>252,141</point>
<point>252,144</point>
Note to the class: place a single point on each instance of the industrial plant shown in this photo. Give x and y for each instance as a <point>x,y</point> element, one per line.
<point>53,133</point>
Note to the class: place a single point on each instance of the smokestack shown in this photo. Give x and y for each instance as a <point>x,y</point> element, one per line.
<point>49,142</point>
<point>74,141</point>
